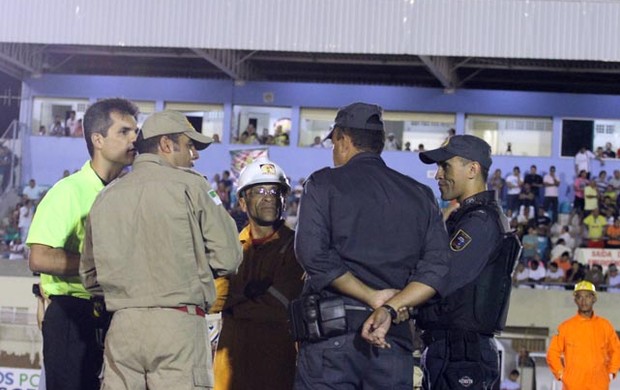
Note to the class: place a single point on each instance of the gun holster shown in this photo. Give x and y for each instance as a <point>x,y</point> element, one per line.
<point>314,318</point>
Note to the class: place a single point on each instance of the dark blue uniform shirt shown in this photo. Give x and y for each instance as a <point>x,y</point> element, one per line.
<point>382,226</point>
<point>475,236</point>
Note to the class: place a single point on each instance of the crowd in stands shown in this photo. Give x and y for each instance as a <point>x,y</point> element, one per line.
<point>549,238</point>
<point>250,137</point>
<point>70,127</point>
<point>14,228</point>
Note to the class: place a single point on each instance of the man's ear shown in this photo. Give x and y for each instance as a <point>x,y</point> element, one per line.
<point>474,169</point>
<point>165,144</point>
<point>97,140</point>
<point>243,204</point>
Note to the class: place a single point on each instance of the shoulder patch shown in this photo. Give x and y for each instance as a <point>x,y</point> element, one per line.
<point>459,241</point>
<point>214,197</point>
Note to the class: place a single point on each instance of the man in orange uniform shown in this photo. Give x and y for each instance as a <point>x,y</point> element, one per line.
<point>588,345</point>
<point>255,350</point>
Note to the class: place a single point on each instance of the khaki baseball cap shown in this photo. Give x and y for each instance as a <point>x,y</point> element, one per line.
<point>173,122</point>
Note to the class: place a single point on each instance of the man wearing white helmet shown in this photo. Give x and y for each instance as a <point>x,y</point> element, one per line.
<point>255,350</point>
<point>585,353</point>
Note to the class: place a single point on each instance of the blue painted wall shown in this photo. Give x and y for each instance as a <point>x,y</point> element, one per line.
<point>48,156</point>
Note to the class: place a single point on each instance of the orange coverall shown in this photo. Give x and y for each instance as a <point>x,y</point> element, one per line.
<point>590,350</point>
<point>255,349</point>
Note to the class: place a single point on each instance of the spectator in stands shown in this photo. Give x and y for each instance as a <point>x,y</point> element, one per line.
<point>513,186</point>
<point>610,192</point>
<point>420,148</point>
<point>42,130</point>
<point>601,182</point>
<point>57,129</point>
<point>262,139</point>
<point>216,181</point>
<point>543,249</point>
<point>613,235</point>
<point>542,219</point>
<point>595,223</point>
<point>407,146</point>
<point>317,143</point>
<point>583,161</point>
<point>391,143</point>
<point>590,195</point>
<point>613,279</point>
<point>551,184</point>
<point>564,262</point>
<point>575,274</point>
<point>555,275</point>
<point>8,161</point>
<point>496,183</point>
<point>537,272</point>
<point>609,210</point>
<point>26,211</point>
<point>579,185</point>
<point>79,129</point>
<point>216,139</point>
<point>70,124</point>
<point>608,152</point>
<point>281,137</point>
<point>520,276</point>
<point>568,239</point>
<point>615,180</point>
<point>17,249</point>
<point>530,245</point>
<point>32,191</point>
<point>512,382</point>
<point>509,149</point>
<point>596,276</point>
<point>559,248</point>
<point>224,194</point>
<point>451,133</point>
<point>536,183</point>
<point>526,218</point>
<point>527,198</point>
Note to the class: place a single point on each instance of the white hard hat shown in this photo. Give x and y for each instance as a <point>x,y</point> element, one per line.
<point>262,171</point>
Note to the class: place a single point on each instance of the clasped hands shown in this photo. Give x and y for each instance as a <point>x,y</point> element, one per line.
<point>376,327</point>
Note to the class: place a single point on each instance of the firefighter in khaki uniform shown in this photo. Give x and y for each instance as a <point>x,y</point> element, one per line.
<point>255,350</point>
<point>585,353</point>
<point>155,240</point>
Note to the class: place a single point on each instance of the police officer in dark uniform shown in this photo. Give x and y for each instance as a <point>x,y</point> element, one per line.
<point>459,327</point>
<point>365,231</point>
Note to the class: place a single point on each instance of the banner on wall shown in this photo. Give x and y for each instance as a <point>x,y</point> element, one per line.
<point>242,157</point>
<point>19,378</point>
<point>601,256</point>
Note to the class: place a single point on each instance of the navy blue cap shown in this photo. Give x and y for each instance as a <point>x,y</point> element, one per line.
<point>361,116</point>
<point>466,146</point>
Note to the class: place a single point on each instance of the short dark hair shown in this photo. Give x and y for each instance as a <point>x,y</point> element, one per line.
<point>366,140</point>
<point>150,145</point>
<point>97,118</point>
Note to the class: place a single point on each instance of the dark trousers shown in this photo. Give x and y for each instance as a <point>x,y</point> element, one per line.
<point>450,365</point>
<point>348,362</point>
<point>550,203</point>
<point>71,352</point>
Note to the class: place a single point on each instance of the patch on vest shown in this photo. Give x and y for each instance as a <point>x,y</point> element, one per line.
<point>460,241</point>
<point>466,381</point>
<point>216,199</point>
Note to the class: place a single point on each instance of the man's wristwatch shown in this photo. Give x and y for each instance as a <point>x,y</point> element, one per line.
<point>392,311</point>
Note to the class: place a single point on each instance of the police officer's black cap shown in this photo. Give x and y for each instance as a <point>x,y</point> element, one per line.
<point>466,146</point>
<point>361,116</point>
